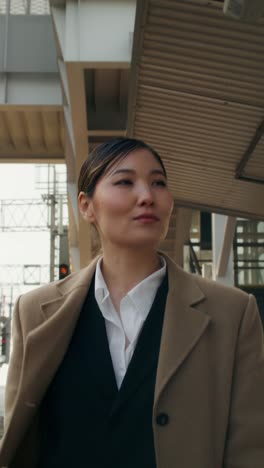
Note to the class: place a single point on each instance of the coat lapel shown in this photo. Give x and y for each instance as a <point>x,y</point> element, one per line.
<point>182,327</point>
<point>53,336</point>
<point>44,350</point>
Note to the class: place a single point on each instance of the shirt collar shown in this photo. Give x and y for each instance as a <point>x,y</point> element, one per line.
<point>100,287</point>
<point>142,295</point>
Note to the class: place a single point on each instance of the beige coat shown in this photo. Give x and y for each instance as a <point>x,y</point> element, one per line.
<point>210,378</point>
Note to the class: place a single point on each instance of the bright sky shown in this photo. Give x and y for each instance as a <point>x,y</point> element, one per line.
<point>18,181</point>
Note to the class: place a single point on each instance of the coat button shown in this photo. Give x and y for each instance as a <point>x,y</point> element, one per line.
<point>162,419</point>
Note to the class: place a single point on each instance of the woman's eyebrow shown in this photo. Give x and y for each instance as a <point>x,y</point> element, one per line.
<point>158,171</point>
<point>120,171</point>
<point>132,171</point>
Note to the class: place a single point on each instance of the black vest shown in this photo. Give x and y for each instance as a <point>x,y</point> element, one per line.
<point>85,421</point>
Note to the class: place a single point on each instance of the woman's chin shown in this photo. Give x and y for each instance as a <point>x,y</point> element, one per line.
<point>139,243</point>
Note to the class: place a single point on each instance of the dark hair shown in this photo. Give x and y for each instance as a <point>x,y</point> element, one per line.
<point>104,156</point>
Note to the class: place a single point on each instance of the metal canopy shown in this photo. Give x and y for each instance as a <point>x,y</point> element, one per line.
<point>197,96</point>
<point>31,133</point>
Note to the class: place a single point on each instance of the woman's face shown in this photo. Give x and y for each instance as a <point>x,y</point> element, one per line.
<point>131,205</point>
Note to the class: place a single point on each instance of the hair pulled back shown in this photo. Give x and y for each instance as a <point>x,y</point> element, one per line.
<point>104,156</point>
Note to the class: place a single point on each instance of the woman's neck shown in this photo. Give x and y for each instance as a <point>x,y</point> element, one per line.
<point>123,271</point>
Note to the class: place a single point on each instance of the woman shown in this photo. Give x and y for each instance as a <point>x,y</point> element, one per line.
<point>133,362</point>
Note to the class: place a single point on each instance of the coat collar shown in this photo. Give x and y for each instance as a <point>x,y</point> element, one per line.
<point>76,285</point>
<point>182,327</point>
<point>180,282</point>
<point>183,323</point>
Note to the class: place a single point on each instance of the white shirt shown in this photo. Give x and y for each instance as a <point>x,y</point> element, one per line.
<point>134,309</point>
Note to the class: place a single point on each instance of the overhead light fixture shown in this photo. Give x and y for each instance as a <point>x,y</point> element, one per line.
<point>248,10</point>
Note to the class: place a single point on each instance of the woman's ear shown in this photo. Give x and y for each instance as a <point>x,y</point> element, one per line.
<point>86,207</point>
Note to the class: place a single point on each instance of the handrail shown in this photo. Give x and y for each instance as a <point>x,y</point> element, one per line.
<point>194,259</point>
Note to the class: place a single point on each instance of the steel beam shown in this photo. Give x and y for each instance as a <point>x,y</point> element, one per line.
<point>30,89</point>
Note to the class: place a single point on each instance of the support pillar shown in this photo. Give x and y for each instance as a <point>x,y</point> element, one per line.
<point>182,233</point>
<point>91,35</point>
<point>223,230</point>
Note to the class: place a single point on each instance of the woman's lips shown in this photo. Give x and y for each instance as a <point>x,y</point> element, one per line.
<point>146,218</point>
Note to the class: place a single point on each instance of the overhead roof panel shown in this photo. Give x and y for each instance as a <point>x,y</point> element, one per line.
<point>31,133</point>
<point>198,98</point>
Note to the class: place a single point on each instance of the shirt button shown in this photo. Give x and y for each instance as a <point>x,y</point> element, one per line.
<point>162,419</point>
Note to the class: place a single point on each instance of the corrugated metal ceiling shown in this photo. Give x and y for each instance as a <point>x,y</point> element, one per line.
<point>29,132</point>
<point>198,98</point>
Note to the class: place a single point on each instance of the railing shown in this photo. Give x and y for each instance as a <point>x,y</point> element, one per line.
<point>196,260</point>
<point>195,266</point>
<point>249,254</point>
<point>249,272</point>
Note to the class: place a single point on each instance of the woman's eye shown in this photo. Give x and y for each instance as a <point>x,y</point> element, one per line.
<point>123,182</point>
<point>160,183</point>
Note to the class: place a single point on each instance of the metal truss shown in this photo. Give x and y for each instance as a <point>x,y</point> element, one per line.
<point>16,280</point>
<point>31,275</point>
<point>33,215</point>
<point>48,213</point>
<point>24,215</point>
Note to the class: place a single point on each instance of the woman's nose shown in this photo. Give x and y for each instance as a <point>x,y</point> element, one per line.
<point>145,195</point>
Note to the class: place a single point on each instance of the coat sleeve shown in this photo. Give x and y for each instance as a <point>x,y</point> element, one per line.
<point>15,364</point>
<point>245,439</point>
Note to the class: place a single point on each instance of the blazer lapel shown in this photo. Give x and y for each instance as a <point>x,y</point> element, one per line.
<point>90,343</point>
<point>145,357</point>
<point>182,327</point>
